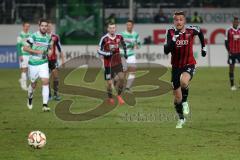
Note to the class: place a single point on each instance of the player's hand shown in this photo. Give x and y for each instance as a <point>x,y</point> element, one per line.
<point>110,53</point>
<point>49,52</point>
<point>45,55</point>
<point>136,47</point>
<point>125,56</point>
<point>20,58</point>
<point>204,51</point>
<point>229,54</point>
<point>39,52</point>
<point>176,35</point>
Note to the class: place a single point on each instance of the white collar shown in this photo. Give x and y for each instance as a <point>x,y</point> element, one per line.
<point>234,28</point>
<point>112,38</point>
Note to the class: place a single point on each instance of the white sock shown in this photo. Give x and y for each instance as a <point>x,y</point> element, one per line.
<point>30,91</point>
<point>130,80</point>
<point>45,93</point>
<point>24,79</point>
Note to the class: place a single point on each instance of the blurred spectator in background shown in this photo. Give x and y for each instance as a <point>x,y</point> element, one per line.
<point>147,40</point>
<point>111,19</point>
<point>160,17</point>
<point>196,18</point>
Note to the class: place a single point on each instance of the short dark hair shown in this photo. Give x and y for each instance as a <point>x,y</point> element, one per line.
<point>25,22</point>
<point>111,23</point>
<point>177,13</point>
<point>235,18</point>
<point>130,21</point>
<point>43,20</point>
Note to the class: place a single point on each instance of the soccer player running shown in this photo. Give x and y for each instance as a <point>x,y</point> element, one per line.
<point>53,62</point>
<point>109,49</point>
<point>179,41</point>
<point>39,46</point>
<point>132,41</point>
<point>232,43</point>
<point>23,55</point>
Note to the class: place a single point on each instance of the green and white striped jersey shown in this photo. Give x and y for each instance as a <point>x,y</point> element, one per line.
<point>37,41</point>
<point>131,40</point>
<point>21,42</point>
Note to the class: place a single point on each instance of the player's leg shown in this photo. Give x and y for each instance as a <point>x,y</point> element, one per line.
<point>119,78</point>
<point>184,82</point>
<point>231,76</point>
<point>178,106</point>
<point>24,70</point>
<point>231,62</point>
<point>50,66</point>
<point>131,62</point>
<point>44,75</point>
<point>177,92</point>
<point>125,71</point>
<point>109,83</point>
<point>109,91</point>
<point>56,84</point>
<point>33,76</point>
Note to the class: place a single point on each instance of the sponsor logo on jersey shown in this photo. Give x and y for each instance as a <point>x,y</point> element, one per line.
<point>236,36</point>
<point>182,42</point>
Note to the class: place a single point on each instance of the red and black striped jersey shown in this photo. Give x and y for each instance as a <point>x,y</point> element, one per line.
<point>109,48</point>
<point>233,40</point>
<point>182,51</point>
<point>56,45</point>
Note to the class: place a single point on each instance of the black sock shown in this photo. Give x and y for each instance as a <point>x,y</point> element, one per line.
<point>50,94</point>
<point>55,87</point>
<point>231,76</point>
<point>184,94</point>
<point>109,92</point>
<point>45,105</point>
<point>30,100</point>
<point>179,110</point>
<point>120,89</point>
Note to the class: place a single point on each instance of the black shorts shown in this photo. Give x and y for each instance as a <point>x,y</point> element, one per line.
<point>111,72</point>
<point>52,65</point>
<point>232,59</point>
<point>176,74</point>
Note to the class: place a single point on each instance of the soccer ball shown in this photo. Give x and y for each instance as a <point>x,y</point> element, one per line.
<point>37,139</point>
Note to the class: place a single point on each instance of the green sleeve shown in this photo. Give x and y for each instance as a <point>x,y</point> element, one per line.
<point>138,41</point>
<point>19,46</point>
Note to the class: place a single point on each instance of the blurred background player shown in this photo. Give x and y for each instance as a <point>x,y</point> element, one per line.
<point>53,62</point>
<point>179,41</point>
<point>39,45</point>
<point>23,55</point>
<point>109,49</point>
<point>132,40</point>
<point>232,43</point>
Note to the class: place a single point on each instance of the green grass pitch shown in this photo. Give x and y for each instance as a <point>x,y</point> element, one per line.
<point>212,132</point>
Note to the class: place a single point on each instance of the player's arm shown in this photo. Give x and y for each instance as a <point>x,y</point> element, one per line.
<point>170,41</point>
<point>101,49</point>
<point>124,47</point>
<point>226,40</point>
<point>138,42</point>
<point>28,47</point>
<point>59,48</point>
<point>200,34</point>
<point>50,47</point>
<point>19,46</point>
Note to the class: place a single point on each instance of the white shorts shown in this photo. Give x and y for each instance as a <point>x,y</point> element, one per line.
<point>130,61</point>
<point>24,62</point>
<point>38,71</point>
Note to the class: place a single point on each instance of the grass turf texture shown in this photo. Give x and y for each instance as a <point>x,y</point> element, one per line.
<point>211,132</point>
